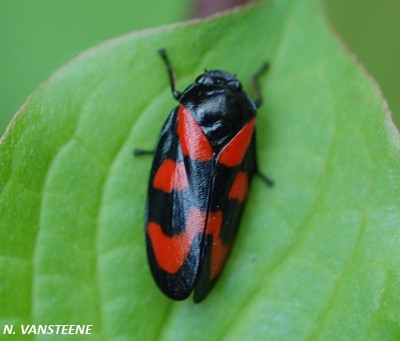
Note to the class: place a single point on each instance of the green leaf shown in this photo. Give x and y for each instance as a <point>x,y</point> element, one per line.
<point>38,36</point>
<point>317,256</point>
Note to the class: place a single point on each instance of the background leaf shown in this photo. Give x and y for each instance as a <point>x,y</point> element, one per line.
<point>316,257</point>
<point>370,30</point>
<point>37,37</point>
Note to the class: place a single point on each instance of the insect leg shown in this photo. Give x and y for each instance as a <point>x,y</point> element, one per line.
<point>268,181</point>
<point>163,54</point>
<point>255,84</point>
<point>140,152</point>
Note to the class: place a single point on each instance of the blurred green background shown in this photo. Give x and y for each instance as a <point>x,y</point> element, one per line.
<point>37,37</point>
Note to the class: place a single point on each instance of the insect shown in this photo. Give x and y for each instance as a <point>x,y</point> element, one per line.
<point>200,176</point>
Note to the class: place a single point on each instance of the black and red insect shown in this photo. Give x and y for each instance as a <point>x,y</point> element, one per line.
<point>199,181</point>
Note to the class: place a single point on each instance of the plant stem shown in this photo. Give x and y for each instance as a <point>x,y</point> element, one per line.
<point>204,8</point>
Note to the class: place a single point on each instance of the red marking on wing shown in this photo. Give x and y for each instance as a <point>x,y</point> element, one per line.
<point>239,187</point>
<point>233,153</point>
<point>171,176</point>
<point>192,138</point>
<point>219,250</point>
<point>171,252</point>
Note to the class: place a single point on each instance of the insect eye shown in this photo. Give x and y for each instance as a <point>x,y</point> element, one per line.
<point>235,84</point>
<point>205,80</point>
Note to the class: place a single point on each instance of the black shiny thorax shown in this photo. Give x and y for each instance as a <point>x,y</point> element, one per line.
<point>221,108</point>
